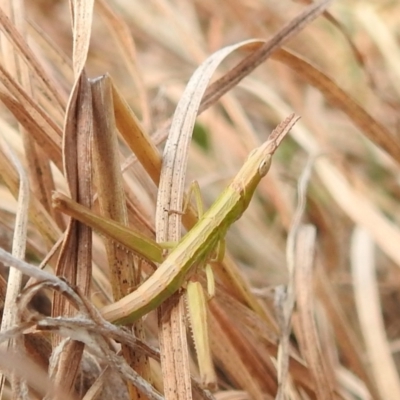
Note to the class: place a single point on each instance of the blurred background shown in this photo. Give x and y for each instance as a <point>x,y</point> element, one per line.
<point>341,76</point>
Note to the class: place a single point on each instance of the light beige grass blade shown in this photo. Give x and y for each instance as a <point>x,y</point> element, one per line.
<point>370,315</point>
<point>287,295</point>
<point>383,39</point>
<point>168,225</point>
<point>14,285</point>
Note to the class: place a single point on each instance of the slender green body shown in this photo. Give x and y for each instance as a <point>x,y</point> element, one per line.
<point>201,240</point>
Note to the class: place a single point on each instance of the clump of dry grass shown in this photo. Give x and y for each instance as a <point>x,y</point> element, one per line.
<point>306,298</point>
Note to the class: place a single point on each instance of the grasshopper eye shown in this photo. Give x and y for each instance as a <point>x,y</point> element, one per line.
<point>264,166</point>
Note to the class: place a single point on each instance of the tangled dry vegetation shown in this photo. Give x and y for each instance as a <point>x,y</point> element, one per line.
<point>306,298</point>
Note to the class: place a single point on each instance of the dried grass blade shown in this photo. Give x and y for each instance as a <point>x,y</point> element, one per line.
<point>37,214</point>
<point>109,184</point>
<point>307,333</point>
<point>55,56</point>
<point>136,137</point>
<point>227,354</point>
<point>252,323</point>
<point>168,227</point>
<point>353,385</point>
<point>370,315</point>
<point>78,130</point>
<point>368,125</point>
<point>46,133</point>
<point>251,62</point>
<point>14,284</point>
<point>176,149</point>
<point>348,342</point>
<point>254,354</point>
<point>230,274</point>
<point>82,16</point>
<point>39,173</point>
<point>122,35</point>
<point>288,297</point>
<point>30,59</point>
<point>75,258</point>
<point>111,197</point>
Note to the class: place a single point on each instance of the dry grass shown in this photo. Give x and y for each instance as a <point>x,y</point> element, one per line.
<point>306,303</point>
